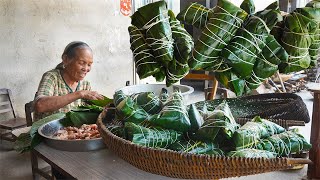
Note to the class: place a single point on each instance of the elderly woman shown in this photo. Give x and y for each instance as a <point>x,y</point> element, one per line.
<point>64,87</point>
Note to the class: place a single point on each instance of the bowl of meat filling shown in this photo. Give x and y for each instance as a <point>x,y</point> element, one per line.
<point>71,138</point>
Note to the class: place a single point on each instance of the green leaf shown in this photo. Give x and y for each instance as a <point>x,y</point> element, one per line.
<point>82,117</point>
<point>103,102</point>
<point>37,124</point>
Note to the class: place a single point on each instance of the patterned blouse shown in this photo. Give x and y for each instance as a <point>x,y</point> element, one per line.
<point>53,84</point>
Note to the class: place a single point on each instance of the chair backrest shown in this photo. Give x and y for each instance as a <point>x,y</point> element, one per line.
<point>6,105</point>
<point>29,109</point>
<point>209,94</point>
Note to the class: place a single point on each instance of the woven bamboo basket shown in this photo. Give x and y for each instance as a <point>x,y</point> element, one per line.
<point>189,166</point>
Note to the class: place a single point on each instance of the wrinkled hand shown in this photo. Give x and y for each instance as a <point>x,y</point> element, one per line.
<point>90,95</point>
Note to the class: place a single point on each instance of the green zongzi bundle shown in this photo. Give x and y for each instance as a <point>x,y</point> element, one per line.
<point>144,60</point>
<point>218,32</point>
<point>196,15</point>
<point>296,39</point>
<point>285,143</point>
<point>241,52</point>
<point>151,137</point>
<point>129,111</point>
<point>173,115</point>
<point>220,123</point>
<point>253,131</point>
<point>154,21</point>
<point>148,101</point>
<point>183,44</point>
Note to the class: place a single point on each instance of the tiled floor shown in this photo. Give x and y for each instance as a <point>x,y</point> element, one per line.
<point>17,166</point>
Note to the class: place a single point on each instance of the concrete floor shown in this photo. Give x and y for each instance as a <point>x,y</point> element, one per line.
<point>15,166</point>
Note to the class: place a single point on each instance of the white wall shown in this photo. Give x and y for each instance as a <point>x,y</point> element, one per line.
<point>33,34</point>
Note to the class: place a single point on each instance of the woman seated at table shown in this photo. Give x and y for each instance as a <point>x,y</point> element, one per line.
<point>64,87</point>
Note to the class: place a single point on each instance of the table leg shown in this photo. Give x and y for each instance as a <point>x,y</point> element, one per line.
<point>314,153</point>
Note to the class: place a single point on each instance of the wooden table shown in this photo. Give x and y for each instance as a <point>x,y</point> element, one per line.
<point>101,164</point>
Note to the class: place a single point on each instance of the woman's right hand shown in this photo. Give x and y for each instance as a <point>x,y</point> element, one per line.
<point>90,95</point>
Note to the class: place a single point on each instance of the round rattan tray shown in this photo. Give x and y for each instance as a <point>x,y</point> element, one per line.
<point>189,166</point>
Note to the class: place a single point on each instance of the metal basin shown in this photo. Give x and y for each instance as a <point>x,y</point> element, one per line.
<point>49,129</point>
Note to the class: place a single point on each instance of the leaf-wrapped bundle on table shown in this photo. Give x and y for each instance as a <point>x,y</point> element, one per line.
<point>151,137</point>
<point>313,13</point>
<point>285,143</point>
<point>183,45</point>
<point>173,115</point>
<point>118,97</point>
<point>252,153</point>
<point>267,62</point>
<point>196,15</point>
<point>196,147</point>
<point>220,122</point>
<point>218,32</point>
<point>296,40</point>
<point>253,131</point>
<point>148,101</point>
<point>129,111</point>
<point>145,62</point>
<point>153,19</point>
<point>195,117</point>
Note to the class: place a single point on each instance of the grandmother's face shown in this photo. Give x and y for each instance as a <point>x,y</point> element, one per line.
<point>80,65</point>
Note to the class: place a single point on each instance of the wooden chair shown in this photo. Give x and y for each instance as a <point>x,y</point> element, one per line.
<point>8,119</point>
<point>46,171</point>
<point>210,92</point>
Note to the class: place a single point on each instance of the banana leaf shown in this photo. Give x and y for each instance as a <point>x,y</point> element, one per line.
<point>196,15</point>
<point>145,62</point>
<point>183,44</point>
<point>148,101</point>
<point>296,39</point>
<point>314,49</point>
<point>219,122</point>
<point>161,75</point>
<point>196,147</point>
<point>253,131</point>
<point>248,6</point>
<point>151,137</point>
<point>313,4</point>
<point>195,117</point>
<point>285,143</point>
<point>218,32</point>
<point>252,153</point>
<point>242,51</point>
<point>173,115</point>
<point>129,111</point>
<point>27,141</point>
<point>105,101</point>
<point>267,62</point>
<point>153,19</point>
<point>79,117</point>
<point>277,30</point>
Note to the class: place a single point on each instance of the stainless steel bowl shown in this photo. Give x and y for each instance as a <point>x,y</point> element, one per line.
<point>49,129</point>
